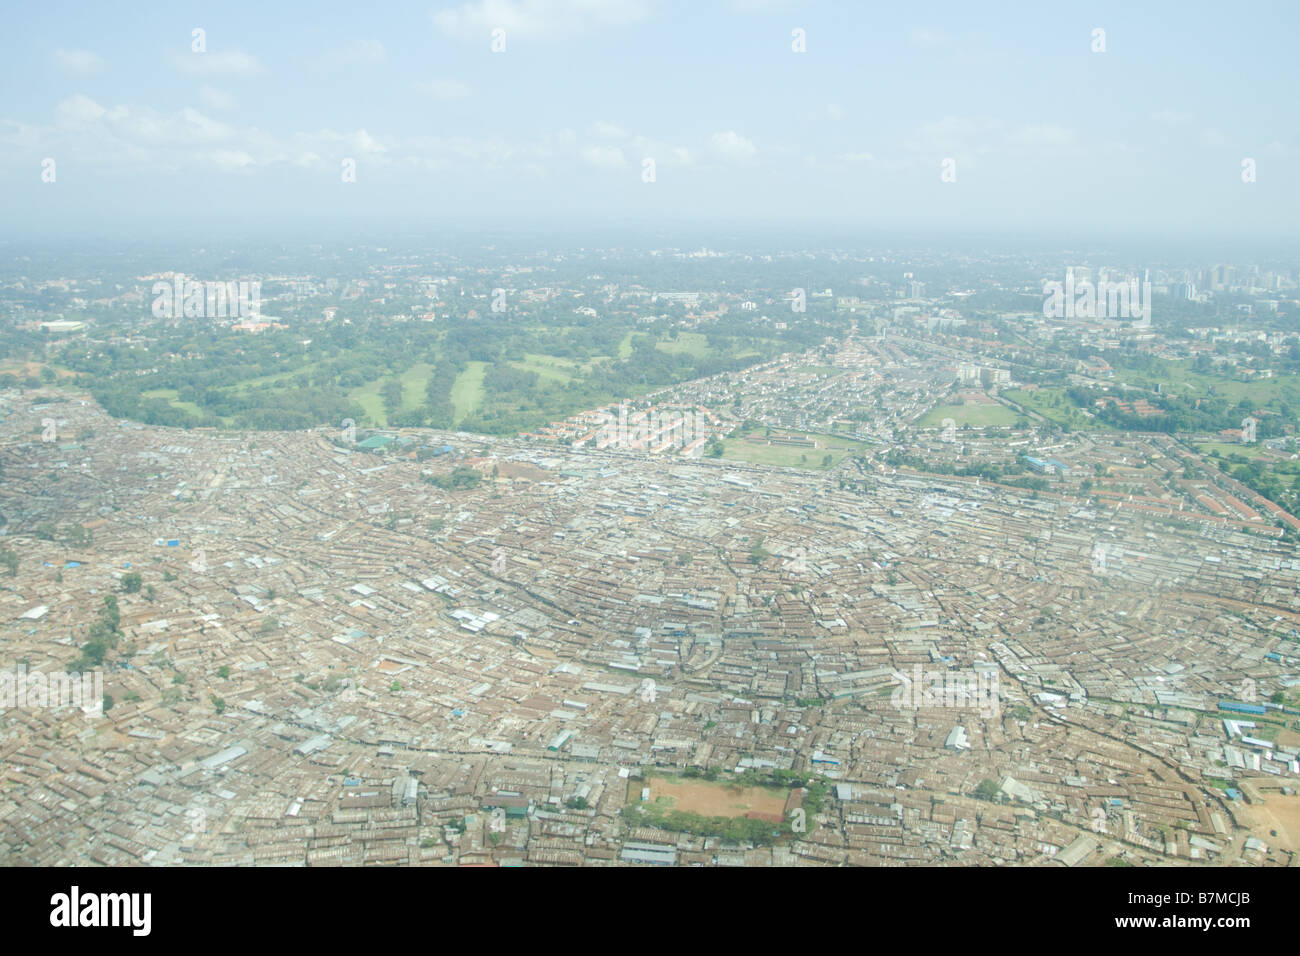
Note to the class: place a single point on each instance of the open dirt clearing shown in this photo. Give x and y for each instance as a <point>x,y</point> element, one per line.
<point>712,799</point>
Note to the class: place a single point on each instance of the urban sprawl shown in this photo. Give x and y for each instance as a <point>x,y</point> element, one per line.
<point>691,558</point>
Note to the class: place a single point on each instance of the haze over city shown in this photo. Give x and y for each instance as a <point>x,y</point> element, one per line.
<point>649,434</point>
<point>1053,128</point>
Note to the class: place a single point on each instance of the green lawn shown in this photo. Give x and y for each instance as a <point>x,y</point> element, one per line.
<point>1227,448</point>
<point>367,396</point>
<point>550,368</point>
<point>273,379</point>
<point>467,391</point>
<point>1055,405</point>
<point>788,456</point>
<point>414,381</point>
<point>170,395</point>
<point>976,416</point>
<point>625,347</point>
<point>694,344</point>
<point>1179,379</point>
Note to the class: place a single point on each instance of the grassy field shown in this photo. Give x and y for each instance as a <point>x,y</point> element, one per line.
<point>976,416</point>
<point>550,368</point>
<point>1227,448</point>
<point>23,369</point>
<point>275,378</point>
<point>1053,404</point>
<point>414,381</point>
<point>568,378</point>
<point>169,395</point>
<point>367,396</point>
<point>694,344</point>
<point>788,456</point>
<point>625,347</point>
<point>467,392</point>
<point>1179,379</point>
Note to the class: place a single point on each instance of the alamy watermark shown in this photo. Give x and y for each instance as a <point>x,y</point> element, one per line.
<point>56,689</point>
<point>654,430</point>
<point>955,689</point>
<point>192,299</point>
<point>74,909</point>
<point>1084,299</point>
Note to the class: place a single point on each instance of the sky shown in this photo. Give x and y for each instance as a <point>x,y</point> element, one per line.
<point>1013,117</point>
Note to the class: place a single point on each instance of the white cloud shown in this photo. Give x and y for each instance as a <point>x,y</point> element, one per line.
<point>192,140</point>
<point>221,62</point>
<point>731,145</point>
<point>444,89</point>
<point>233,158</point>
<point>193,125</point>
<point>78,109</point>
<point>78,61</point>
<point>143,139</point>
<point>665,154</point>
<point>535,19</point>
<point>604,157</point>
<point>365,143</point>
<point>1043,134</point>
<point>609,131</point>
<point>215,99</point>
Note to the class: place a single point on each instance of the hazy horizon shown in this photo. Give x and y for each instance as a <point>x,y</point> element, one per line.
<point>1046,133</point>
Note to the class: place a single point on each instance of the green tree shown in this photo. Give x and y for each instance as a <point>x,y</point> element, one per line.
<point>92,655</point>
<point>111,615</point>
<point>987,790</point>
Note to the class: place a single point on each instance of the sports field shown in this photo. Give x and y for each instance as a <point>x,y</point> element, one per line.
<point>1278,814</point>
<point>759,452</point>
<point>708,799</point>
<point>976,416</point>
